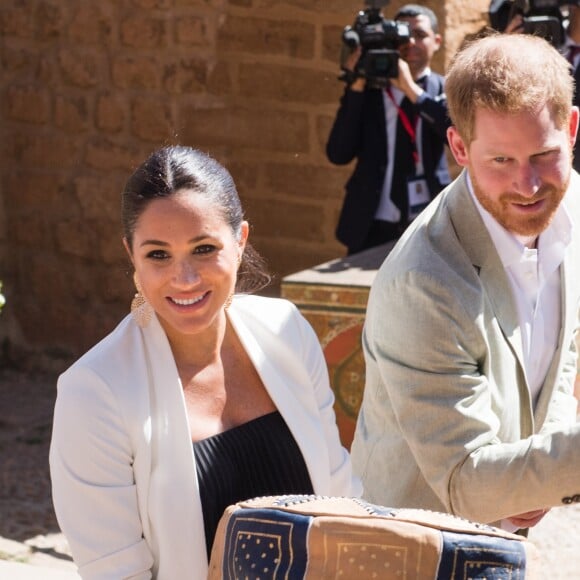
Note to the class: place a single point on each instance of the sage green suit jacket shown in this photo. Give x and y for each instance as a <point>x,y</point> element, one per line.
<point>447,422</point>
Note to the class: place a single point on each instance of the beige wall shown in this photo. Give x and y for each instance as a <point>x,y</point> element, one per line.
<point>88,89</point>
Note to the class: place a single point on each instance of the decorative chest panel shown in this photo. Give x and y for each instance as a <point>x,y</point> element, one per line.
<point>333,297</point>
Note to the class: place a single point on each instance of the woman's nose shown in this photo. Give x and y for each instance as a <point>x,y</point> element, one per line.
<point>186,274</point>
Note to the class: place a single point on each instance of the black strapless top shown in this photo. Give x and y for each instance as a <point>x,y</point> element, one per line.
<point>257,458</point>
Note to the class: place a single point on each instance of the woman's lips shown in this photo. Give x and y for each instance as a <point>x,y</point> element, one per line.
<point>188,302</point>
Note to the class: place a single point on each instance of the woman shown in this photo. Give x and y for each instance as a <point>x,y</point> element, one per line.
<point>198,399</point>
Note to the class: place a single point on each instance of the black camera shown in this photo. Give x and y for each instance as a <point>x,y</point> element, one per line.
<point>379,40</point>
<point>540,17</point>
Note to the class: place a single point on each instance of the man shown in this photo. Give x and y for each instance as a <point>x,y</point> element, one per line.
<point>469,334</point>
<point>397,135</point>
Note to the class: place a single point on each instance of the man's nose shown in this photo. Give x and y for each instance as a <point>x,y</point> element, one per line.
<point>528,180</point>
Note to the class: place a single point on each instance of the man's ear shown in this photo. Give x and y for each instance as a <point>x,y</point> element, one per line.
<point>438,40</point>
<point>458,147</point>
<point>573,125</point>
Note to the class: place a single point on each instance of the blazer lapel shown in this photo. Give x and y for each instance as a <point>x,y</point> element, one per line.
<point>431,85</point>
<point>285,388</point>
<point>569,278</point>
<point>379,115</point>
<point>174,489</point>
<point>476,241</point>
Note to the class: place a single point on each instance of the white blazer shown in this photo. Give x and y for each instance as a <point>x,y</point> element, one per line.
<point>123,470</point>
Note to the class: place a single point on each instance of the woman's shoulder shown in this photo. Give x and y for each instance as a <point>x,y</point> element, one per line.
<point>277,315</point>
<point>263,306</point>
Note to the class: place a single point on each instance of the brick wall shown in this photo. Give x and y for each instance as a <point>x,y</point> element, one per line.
<point>88,89</point>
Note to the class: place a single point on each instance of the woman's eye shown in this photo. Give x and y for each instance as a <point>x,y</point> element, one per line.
<point>204,249</point>
<point>157,255</point>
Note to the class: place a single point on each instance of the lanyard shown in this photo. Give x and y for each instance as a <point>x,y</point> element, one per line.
<point>411,129</point>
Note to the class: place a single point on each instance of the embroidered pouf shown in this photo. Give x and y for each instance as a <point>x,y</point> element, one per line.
<point>306,536</point>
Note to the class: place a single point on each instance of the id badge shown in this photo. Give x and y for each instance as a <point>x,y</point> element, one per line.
<point>418,193</point>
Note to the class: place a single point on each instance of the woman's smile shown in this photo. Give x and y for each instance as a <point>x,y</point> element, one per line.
<point>188,302</point>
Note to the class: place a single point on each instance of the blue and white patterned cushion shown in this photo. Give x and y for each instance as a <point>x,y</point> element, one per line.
<point>313,537</point>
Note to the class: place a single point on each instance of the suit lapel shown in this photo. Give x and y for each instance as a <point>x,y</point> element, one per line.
<point>477,243</point>
<point>431,85</point>
<point>569,278</point>
<point>554,369</point>
<point>380,120</point>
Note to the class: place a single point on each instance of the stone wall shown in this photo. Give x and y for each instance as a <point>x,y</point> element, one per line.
<point>89,89</point>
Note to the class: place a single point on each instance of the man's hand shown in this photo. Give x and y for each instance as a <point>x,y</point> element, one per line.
<point>349,64</point>
<point>515,25</point>
<point>528,519</point>
<point>405,82</point>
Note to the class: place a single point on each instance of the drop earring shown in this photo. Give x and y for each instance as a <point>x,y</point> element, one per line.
<point>140,309</point>
<point>230,297</point>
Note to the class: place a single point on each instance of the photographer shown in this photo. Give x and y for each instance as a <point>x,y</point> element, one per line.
<point>397,134</point>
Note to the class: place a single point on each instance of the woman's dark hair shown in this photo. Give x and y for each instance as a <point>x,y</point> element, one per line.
<point>177,167</point>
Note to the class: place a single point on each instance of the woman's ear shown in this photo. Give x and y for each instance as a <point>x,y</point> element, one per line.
<point>244,233</point>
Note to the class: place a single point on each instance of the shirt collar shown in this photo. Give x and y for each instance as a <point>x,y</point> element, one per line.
<point>424,76</point>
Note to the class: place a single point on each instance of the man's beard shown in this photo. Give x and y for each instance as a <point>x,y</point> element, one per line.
<point>518,223</point>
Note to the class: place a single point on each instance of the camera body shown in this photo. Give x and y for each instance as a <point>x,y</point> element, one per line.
<point>540,17</point>
<point>379,40</point>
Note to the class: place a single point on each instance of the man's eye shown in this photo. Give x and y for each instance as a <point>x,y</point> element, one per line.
<point>500,159</point>
<point>204,249</point>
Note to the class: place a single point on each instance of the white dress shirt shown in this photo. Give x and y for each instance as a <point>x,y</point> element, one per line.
<point>535,280</point>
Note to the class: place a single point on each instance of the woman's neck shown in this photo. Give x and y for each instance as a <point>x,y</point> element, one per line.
<point>201,349</point>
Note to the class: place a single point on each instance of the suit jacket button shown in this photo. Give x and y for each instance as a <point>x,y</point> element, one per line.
<point>567,500</point>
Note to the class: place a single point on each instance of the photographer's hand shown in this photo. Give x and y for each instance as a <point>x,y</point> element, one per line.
<point>405,82</point>
<point>358,85</point>
<point>515,25</point>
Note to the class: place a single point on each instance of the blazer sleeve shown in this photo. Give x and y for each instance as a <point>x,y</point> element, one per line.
<point>433,111</point>
<point>93,487</point>
<point>342,480</point>
<point>430,362</point>
<point>344,141</point>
